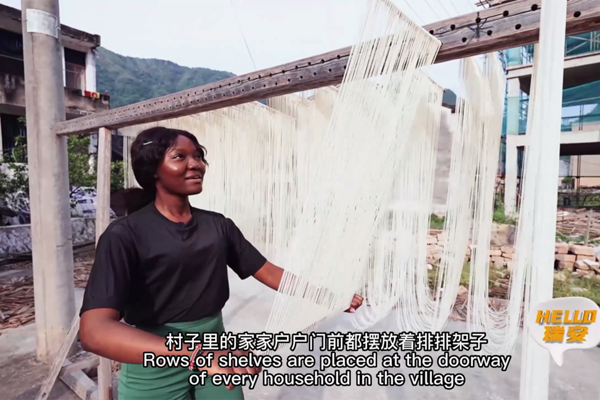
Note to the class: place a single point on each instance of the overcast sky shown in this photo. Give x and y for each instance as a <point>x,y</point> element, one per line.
<point>210,33</point>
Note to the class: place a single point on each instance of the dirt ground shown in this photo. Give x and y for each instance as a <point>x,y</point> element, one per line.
<point>21,375</point>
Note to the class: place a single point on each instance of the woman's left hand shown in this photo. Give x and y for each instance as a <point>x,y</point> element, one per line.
<point>356,302</point>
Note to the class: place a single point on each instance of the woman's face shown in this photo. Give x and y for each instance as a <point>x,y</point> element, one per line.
<point>182,170</point>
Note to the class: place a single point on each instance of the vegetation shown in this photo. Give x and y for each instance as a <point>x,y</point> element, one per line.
<point>81,173</point>
<point>564,284</point>
<point>568,182</point>
<point>567,286</point>
<point>436,222</point>
<point>128,79</point>
<point>18,181</point>
<point>498,217</point>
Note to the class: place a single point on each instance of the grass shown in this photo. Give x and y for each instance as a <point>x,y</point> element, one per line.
<point>494,275</point>
<point>588,287</point>
<point>436,222</point>
<point>499,216</point>
<point>575,239</point>
<point>567,287</point>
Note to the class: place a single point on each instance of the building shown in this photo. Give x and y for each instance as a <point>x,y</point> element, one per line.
<point>580,127</point>
<point>79,66</point>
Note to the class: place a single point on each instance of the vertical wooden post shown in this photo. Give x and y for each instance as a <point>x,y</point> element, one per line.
<point>102,221</point>
<point>103,183</point>
<point>587,229</point>
<point>126,162</point>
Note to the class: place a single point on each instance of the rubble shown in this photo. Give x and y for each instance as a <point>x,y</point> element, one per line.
<point>16,296</point>
<point>574,223</point>
<point>579,258</point>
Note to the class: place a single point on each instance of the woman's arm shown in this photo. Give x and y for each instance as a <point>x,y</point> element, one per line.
<point>102,333</point>
<point>270,275</point>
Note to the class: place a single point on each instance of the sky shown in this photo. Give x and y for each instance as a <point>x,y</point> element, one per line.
<point>212,33</point>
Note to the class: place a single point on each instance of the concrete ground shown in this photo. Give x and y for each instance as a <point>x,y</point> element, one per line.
<point>248,310</point>
<point>21,375</point>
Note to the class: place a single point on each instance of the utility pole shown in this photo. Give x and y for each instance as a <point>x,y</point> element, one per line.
<point>51,236</point>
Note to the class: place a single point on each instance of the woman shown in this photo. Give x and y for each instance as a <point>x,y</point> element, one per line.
<point>163,268</point>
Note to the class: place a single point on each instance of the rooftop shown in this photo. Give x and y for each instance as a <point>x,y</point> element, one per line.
<point>10,19</point>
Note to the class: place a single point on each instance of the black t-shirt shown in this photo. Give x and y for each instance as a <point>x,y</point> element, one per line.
<point>156,271</point>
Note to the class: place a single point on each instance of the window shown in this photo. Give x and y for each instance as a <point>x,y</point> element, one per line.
<point>11,53</point>
<point>74,76</point>
<point>74,69</point>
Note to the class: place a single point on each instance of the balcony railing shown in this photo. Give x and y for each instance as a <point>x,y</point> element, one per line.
<point>581,121</point>
<point>574,45</point>
<point>580,110</point>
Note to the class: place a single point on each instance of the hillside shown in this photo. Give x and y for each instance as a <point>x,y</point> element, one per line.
<point>128,79</point>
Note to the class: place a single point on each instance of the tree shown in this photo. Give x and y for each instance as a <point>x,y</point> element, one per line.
<point>79,163</point>
<point>81,173</point>
<point>14,182</point>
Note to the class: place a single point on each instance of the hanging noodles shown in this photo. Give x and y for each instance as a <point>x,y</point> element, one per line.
<point>333,174</point>
<point>400,242</point>
<point>537,218</point>
<point>398,275</point>
<point>301,176</point>
<point>325,264</point>
<point>253,173</point>
<point>501,326</point>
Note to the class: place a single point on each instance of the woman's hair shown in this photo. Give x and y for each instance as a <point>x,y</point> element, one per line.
<point>147,152</point>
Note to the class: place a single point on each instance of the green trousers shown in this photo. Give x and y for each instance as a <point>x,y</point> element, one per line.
<point>137,382</point>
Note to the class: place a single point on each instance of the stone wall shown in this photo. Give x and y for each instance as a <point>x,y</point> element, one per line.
<point>579,259</point>
<point>16,239</point>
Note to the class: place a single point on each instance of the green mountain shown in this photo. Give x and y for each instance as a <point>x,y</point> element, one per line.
<point>128,79</point>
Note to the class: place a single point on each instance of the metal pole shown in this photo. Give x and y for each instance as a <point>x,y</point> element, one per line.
<point>52,247</point>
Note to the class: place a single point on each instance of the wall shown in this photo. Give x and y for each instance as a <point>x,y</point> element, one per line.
<point>589,169</point>
<point>580,260</point>
<point>12,95</point>
<point>90,71</point>
<point>17,238</point>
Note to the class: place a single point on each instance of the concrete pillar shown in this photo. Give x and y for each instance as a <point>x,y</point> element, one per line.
<point>513,105</point>
<point>52,244</point>
<point>545,111</point>
<point>90,71</point>
<point>510,176</point>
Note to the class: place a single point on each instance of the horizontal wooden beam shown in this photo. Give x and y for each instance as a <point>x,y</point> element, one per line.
<point>91,361</point>
<point>497,28</point>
